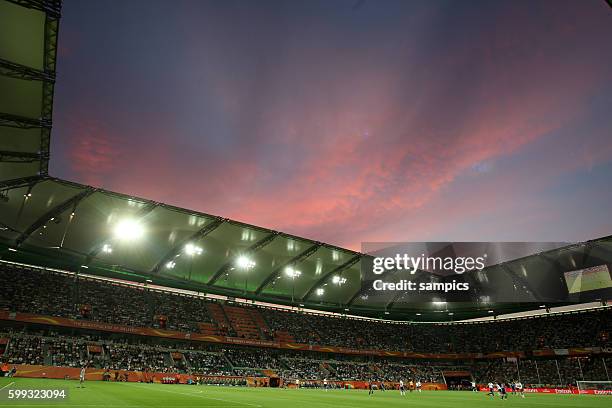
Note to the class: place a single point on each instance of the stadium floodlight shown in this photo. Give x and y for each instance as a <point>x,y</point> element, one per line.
<point>191,249</point>
<point>244,262</point>
<point>338,280</point>
<point>129,230</point>
<point>320,292</point>
<point>170,264</point>
<point>107,249</point>
<point>292,273</point>
<point>438,303</point>
<point>418,314</point>
<point>490,311</point>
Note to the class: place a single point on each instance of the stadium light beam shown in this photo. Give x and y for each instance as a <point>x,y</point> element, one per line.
<point>129,230</point>
<point>244,262</point>
<point>192,250</point>
<point>338,280</point>
<point>292,273</point>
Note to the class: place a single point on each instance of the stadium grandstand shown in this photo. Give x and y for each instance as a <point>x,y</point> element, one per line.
<point>141,291</point>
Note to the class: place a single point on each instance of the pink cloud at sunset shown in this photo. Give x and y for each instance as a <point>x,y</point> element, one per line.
<point>347,126</point>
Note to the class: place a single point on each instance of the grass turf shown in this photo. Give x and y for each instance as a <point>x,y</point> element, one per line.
<point>135,395</point>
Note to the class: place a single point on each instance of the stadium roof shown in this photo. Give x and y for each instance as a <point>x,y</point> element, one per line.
<point>57,223</point>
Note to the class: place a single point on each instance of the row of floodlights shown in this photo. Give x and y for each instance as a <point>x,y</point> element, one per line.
<point>131,230</point>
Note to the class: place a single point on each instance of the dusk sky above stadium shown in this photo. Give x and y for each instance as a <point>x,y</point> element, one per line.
<point>346,121</point>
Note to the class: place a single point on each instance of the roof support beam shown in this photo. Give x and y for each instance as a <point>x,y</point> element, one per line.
<point>52,14</point>
<point>298,258</point>
<point>258,245</point>
<point>338,269</point>
<point>50,7</point>
<point>18,71</point>
<point>522,281</point>
<point>204,231</point>
<point>400,293</point>
<point>20,182</point>
<point>22,122</point>
<point>52,213</point>
<point>19,157</point>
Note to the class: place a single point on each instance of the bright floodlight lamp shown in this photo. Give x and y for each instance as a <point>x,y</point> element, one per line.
<point>191,250</point>
<point>292,273</point>
<point>338,280</point>
<point>244,262</point>
<point>320,292</point>
<point>107,249</point>
<point>170,265</point>
<point>128,230</point>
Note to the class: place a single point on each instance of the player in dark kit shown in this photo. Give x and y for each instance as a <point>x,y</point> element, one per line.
<point>502,391</point>
<point>370,388</point>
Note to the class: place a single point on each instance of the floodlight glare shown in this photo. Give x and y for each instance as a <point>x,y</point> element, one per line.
<point>245,262</point>
<point>320,292</point>
<point>129,230</point>
<point>338,280</point>
<point>292,273</point>
<point>171,265</point>
<point>107,249</point>
<point>191,249</point>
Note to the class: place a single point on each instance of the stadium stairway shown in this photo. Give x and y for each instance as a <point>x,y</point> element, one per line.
<point>264,329</point>
<point>48,356</point>
<point>327,370</point>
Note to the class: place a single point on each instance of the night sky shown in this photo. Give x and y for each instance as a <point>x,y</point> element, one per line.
<point>346,121</point>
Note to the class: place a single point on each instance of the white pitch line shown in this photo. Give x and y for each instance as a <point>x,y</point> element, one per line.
<point>207,397</point>
<point>7,385</point>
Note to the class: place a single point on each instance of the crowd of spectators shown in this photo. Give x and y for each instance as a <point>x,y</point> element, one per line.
<point>137,358</point>
<point>25,350</point>
<point>50,293</point>
<point>263,359</point>
<point>208,363</point>
<point>304,369</point>
<point>72,351</point>
<point>67,352</point>
<point>546,373</point>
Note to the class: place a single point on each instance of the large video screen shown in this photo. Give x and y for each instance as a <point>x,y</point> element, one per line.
<point>584,280</point>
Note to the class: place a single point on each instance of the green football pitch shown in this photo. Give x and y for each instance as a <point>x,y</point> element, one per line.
<point>135,395</point>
